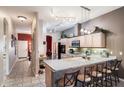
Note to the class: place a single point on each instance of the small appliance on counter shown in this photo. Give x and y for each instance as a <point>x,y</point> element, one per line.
<point>105,53</point>
<point>71,51</point>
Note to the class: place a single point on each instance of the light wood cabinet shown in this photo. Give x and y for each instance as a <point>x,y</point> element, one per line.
<point>88,40</point>
<point>92,40</point>
<point>82,41</point>
<point>98,40</point>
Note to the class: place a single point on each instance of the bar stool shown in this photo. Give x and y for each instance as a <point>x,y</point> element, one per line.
<point>107,73</point>
<point>85,78</point>
<point>69,79</point>
<point>115,70</point>
<point>97,75</point>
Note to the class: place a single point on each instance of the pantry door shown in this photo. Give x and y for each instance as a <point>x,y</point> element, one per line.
<point>22,49</point>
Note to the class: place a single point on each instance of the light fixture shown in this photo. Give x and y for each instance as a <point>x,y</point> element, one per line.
<point>85,13</point>
<point>86,17</point>
<point>22,18</point>
<point>120,53</point>
<point>65,19</point>
<point>85,31</point>
<point>62,18</point>
<point>82,30</point>
<point>111,52</point>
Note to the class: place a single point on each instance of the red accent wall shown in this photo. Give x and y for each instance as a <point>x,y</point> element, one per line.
<point>25,37</point>
<point>49,44</point>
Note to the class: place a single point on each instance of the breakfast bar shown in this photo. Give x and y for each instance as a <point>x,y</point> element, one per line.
<point>55,69</point>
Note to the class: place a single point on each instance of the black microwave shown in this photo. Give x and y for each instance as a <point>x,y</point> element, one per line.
<point>75,43</point>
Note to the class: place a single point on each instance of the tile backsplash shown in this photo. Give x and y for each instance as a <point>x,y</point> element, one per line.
<point>91,51</point>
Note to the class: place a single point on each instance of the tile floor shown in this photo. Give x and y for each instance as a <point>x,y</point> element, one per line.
<point>21,76</point>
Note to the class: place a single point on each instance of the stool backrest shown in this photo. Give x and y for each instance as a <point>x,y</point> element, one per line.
<point>70,78</point>
<point>88,71</point>
<point>117,64</point>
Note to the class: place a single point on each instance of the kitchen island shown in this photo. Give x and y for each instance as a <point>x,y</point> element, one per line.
<point>55,69</point>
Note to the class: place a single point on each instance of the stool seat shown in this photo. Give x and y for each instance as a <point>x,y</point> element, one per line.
<point>95,73</point>
<point>82,78</point>
<point>115,68</point>
<point>107,71</point>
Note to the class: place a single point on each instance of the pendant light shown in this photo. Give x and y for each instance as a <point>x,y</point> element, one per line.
<point>86,16</point>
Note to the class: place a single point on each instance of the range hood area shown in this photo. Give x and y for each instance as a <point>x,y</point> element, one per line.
<point>75,31</point>
<point>72,32</point>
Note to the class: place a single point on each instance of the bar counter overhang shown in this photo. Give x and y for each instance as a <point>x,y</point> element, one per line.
<point>55,69</point>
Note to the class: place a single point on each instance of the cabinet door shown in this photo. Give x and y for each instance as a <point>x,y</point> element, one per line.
<point>82,41</point>
<point>88,40</point>
<point>98,40</point>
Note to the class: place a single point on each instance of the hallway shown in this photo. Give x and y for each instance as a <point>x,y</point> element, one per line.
<point>21,76</point>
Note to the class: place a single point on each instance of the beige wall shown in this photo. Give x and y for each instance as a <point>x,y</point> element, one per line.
<point>113,22</point>
<point>1,50</point>
<point>10,51</point>
<point>35,40</point>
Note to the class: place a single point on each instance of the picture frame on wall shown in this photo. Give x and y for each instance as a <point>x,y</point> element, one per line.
<point>12,40</point>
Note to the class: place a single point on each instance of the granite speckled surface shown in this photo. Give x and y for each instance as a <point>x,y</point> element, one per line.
<point>68,63</point>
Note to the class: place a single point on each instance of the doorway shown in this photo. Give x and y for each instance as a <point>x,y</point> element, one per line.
<point>24,45</point>
<point>22,49</point>
<point>49,46</point>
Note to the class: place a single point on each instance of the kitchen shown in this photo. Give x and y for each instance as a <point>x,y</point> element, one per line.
<point>81,47</point>
<point>88,47</point>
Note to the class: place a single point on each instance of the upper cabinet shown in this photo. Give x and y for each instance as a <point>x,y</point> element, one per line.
<point>88,41</point>
<point>95,40</point>
<point>82,41</point>
<point>92,40</point>
<point>98,40</point>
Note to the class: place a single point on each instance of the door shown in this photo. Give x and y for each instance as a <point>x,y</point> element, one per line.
<point>49,46</point>
<point>88,40</point>
<point>98,40</point>
<point>82,41</point>
<point>22,49</point>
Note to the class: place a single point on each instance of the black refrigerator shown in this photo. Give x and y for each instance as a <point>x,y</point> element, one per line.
<point>61,49</point>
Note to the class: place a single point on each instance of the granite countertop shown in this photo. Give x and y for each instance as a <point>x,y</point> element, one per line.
<point>75,62</point>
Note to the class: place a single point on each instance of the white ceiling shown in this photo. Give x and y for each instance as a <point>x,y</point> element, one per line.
<point>45,14</point>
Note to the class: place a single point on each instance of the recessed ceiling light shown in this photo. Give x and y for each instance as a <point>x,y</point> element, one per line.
<point>22,18</point>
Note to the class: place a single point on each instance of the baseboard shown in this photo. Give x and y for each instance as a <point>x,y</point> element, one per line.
<point>22,57</point>
<point>12,67</point>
